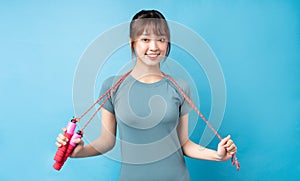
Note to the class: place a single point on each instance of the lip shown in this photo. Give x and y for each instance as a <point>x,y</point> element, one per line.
<point>152,56</point>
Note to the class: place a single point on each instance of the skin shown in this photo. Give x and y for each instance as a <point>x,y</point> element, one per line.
<point>150,51</point>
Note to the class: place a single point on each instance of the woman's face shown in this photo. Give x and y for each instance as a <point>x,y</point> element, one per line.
<point>150,49</point>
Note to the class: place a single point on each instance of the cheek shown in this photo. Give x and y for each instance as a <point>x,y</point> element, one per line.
<point>164,48</point>
<point>139,47</point>
<point>163,45</point>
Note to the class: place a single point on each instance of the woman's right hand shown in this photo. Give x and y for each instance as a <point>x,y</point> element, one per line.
<point>62,140</point>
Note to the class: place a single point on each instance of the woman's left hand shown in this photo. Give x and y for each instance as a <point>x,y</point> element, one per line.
<point>226,148</point>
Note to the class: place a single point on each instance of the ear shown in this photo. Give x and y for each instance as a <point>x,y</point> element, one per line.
<point>131,43</point>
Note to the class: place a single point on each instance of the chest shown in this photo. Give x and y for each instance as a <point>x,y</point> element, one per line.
<point>145,107</point>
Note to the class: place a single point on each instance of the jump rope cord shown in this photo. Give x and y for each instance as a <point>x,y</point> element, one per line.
<point>113,88</point>
<point>108,93</point>
<point>193,105</point>
<point>234,159</point>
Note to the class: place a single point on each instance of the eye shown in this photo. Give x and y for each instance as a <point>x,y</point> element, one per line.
<point>162,39</point>
<point>145,40</point>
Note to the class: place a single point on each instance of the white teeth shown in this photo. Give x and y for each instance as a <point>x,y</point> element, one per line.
<point>153,55</point>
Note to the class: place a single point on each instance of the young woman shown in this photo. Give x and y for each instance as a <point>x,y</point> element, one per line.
<point>150,112</point>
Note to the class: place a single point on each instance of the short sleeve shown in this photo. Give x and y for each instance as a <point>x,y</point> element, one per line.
<point>105,87</point>
<point>185,107</point>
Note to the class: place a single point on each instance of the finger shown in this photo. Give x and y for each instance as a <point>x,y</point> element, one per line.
<point>62,137</point>
<point>64,129</point>
<point>61,141</point>
<point>58,144</point>
<point>229,143</point>
<point>233,152</point>
<point>231,148</point>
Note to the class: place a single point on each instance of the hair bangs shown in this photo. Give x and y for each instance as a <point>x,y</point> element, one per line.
<point>158,27</point>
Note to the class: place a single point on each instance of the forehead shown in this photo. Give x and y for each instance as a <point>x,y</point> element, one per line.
<point>151,34</point>
<point>150,27</point>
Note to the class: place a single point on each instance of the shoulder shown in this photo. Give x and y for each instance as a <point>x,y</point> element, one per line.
<point>110,81</point>
<point>107,83</point>
<point>181,83</point>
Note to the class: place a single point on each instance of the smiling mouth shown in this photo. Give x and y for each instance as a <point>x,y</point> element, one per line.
<point>153,56</point>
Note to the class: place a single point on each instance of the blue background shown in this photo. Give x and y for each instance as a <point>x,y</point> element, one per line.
<point>256,42</point>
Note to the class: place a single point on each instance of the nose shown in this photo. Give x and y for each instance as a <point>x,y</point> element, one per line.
<point>153,45</point>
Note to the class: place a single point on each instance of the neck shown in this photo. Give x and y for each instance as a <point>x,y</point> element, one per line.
<point>146,74</point>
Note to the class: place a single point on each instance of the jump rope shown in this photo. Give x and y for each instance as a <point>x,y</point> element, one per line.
<point>65,151</point>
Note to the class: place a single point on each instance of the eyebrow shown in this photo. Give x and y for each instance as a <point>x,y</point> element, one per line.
<point>147,34</point>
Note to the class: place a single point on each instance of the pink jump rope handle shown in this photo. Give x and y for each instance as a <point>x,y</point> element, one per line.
<point>61,151</point>
<point>72,145</point>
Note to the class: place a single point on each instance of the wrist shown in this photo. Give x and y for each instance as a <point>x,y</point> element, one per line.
<point>218,158</point>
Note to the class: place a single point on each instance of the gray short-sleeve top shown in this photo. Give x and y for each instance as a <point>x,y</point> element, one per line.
<point>147,116</point>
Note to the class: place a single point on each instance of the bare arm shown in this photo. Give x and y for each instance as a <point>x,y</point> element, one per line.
<point>226,147</point>
<point>101,145</point>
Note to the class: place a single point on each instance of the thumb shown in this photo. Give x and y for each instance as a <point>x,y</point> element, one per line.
<point>64,129</point>
<point>77,140</point>
<point>224,140</point>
